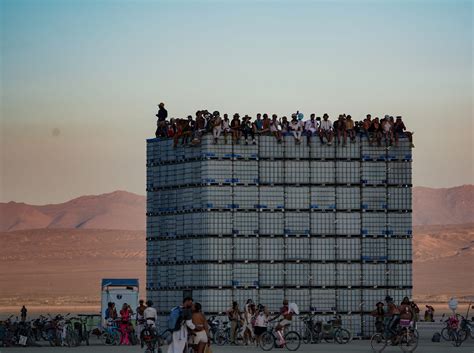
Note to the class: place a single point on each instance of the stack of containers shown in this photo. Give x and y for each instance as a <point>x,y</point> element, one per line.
<point>328,227</point>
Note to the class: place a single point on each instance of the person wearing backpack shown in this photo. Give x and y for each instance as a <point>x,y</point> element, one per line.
<point>179,321</point>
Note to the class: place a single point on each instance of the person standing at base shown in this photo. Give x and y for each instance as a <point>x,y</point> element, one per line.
<point>140,323</point>
<point>183,323</point>
<point>234,317</point>
<point>23,313</point>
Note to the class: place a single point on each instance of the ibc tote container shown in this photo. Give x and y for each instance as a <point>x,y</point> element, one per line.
<point>402,151</point>
<point>348,274</point>
<point>374,224</point>
<point>271,197</point>
<point>374,198</point>
<point>399,294</point>
<point>296,223</point>
<point>271,274</point>
<point>374,173</point>
<point>348,249</point>
<point>399,275</point>
<point>300,297</point>
<point>213,171</point>
<point>220,275</point>
<point>297,197</point>
<point>245,197</point>
<point>245,223</point>
<point>399,173</point>
<point>323,274</point>
<point>323,300</point>
<point>399,198</point>
<point>347,172</point>
<point>271,249</point>
<point>370,297</point>
<point>268,147</point>
<point>218,301</point>
<point>271,223</point>
<point>271,172</point>
<point>320,151</point>
<point>245,274</point>
<point>368,325</point>
<point>348,223</point>
<point>351,151</point>
<point>179,219</point>
<point>374,249</point>
<point>353,324</point>
<point>297,248</point>
<point>374,274</point>
<point>272,298</point>
<point>323,249</point>
<point>323,223</point>
<point>246,248</point>
<point>348,300</point>
<point>297,274</point>
<point>296,172</point>
<point>399,249</point>
<point>322,172</point>
<point>347,198</point>
<point>323,197</point>
<point>373,152</point>
<point>216,223</point>
<point>399,224</point>
<point>245,172</point>
<point>291,150</point>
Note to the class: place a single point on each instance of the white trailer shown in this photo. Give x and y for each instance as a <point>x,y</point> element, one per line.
<point>119,291</point>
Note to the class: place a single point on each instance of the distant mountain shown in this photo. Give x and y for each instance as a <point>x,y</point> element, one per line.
<point>443,206</point>
<point>126,211</point>
<point>116,210</point>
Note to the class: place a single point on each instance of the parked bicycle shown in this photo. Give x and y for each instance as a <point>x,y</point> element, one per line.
<point>404,337</point>
<point>332,331</point>
<point>111,335</point>
<point>452,331</point>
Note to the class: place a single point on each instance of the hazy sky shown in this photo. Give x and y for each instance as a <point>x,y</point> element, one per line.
<point>80,80</point>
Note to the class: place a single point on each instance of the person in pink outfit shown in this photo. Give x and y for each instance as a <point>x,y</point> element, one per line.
<point>125,317</point>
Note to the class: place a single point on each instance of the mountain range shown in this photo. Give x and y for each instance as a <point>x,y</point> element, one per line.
<point>126,211</point>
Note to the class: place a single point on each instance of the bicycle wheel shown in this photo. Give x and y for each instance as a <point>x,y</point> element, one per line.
<point>86,337</point>
<point>342,336</point>
<point>378,343</point>
<point>307,336</point>
<point>445,334</point>
<point>267,341</point>
<point>408,342</point>
<point>463,334</point>
<point>292,341</point>
<point>455,338</point>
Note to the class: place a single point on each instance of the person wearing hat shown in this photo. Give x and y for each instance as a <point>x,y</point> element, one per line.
<point>248,129</point>
<point>379,314</point>
<point>400,129</point>
<point>161,122</point>
<point>326,130</point>
<point>235,128</point>
<point>217,126</point>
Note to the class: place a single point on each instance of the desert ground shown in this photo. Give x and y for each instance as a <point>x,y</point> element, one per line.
<point>60,269</point>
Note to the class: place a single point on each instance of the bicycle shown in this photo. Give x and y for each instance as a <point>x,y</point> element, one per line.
<point>152,340</point>
<point>111,335</point>
<point>452,332</point>
<point>290,340</point>
<point>333,331</point>
<point>403,337</point>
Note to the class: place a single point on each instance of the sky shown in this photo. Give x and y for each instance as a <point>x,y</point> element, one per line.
<point>80,80</point>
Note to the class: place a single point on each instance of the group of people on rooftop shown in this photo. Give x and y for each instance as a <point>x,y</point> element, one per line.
<point>344,128</point>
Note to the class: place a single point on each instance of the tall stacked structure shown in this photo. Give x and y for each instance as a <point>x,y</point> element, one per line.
<point>328,227</point>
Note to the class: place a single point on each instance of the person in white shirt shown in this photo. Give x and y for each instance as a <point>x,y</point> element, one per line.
<point>217,126</point>
<point>275,128</point>
<point>326,129</point>
<point>296,128</point>
<point>149,314</point>
<point>261,322</point>
<point>226,127</point>
<point>180,337</point>
<point>311,127</point>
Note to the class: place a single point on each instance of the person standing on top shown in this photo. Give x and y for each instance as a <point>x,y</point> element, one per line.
<point>23,313</point>
<point>161,123</point>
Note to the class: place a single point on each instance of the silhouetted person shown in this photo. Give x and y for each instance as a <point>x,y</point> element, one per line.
<point>161,123</point>
<point>23,312</point>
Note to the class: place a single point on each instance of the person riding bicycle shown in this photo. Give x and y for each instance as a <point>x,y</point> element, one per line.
<point>379,314</point>
<point>140,323</point>
<point>286,313</point>
<point>393,317</point>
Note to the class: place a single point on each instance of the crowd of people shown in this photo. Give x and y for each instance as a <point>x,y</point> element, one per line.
<point>190,130</point>
<point>388,315</point>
